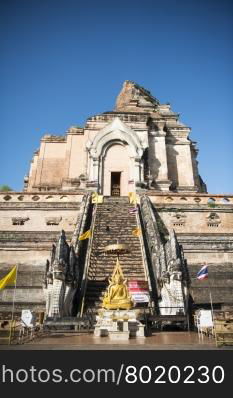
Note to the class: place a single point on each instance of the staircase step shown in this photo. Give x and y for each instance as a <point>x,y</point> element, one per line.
<point>114,214</point>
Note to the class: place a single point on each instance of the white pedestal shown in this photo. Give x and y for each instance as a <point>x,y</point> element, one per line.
<point>119,324</point>
<point>119,335</point>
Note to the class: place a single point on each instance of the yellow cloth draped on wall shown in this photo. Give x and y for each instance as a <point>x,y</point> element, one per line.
<point>133,198</point>
<point>9,279</point>
<point>136,232</point>
<point>85,235</point>
<point>96,198</point>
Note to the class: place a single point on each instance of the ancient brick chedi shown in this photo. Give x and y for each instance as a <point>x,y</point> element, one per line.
<point>141,147</point>
<point>141,144</point>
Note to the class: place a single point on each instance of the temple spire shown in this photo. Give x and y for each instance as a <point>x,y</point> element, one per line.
<point>135,96</point>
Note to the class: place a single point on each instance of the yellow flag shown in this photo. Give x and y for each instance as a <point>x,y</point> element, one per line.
<point>95,198</point>
<point>133,198</point>
<point>9,279</point>
<point>85,235</point>
<point>136,232</point>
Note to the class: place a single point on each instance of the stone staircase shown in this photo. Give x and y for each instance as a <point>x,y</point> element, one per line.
<point>113,224</point>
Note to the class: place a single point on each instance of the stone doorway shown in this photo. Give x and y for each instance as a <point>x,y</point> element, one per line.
<point>116,171</point>
<point>115,183</point>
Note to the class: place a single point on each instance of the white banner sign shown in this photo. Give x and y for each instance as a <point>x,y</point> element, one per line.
<point>205,318</point>
<point>139,291</point>
<point>140,297</point>
<point>27,318</point>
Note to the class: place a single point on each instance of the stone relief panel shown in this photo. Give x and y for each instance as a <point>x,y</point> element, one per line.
<point>19,220</point>
<point>178,220</point>
<point>7,197</point>
<point>38,219</point>
<point>53,220</point>
<point>213,220</point>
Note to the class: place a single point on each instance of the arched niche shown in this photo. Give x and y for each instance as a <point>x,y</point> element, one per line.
<point>119,135</point>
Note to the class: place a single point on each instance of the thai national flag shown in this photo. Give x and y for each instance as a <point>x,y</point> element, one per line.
<point>203,273</point>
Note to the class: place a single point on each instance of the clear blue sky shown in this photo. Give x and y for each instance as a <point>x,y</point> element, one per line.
<point>65,60</point>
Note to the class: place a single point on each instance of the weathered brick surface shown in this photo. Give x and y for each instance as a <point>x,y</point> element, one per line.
<point>64,166</point>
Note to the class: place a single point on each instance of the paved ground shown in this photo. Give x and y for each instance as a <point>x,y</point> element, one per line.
<point>159,341</point>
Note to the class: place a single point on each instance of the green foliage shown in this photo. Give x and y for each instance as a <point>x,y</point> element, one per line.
<point>211,205</point>
<point>5,188</point>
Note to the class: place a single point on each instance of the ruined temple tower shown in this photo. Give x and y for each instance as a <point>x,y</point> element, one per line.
<point>140,147</point>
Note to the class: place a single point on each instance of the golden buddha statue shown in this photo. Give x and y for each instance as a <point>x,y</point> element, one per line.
<point>117,295</point>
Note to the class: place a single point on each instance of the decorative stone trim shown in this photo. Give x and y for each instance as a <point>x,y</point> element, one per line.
<point>19,220</point>
<point>108,116</point>
<point>7,197</point>
<point>181,188</point>
<point>213,220</point>
<point>35,198</point>
<point>92,183</point>
<point>53,138</point>
<point>178,220</point>
<point>53,220</point>
<point>197,200</point>
<point>75,130</point>
<point>70,183</point>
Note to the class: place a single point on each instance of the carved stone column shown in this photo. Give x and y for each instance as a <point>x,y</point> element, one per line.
<point>158,157</point>
<point>93,172</point>
<point>95,169</point>
<point>186,181</point>
<point>137,170</point>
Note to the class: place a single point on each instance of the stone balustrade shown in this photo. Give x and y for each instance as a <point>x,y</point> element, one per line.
<point>156,197</point>
<point>39,197</point>
<point>191,199</point>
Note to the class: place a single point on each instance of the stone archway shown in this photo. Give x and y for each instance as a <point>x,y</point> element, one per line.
<point>126,149</point>
<point>116,165</point>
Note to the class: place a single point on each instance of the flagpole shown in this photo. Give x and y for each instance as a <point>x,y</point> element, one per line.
<point>203,274</point>
<point>211,304</point>
<point>89,245</point>
<point>211,301</point>
<point>13,305</point>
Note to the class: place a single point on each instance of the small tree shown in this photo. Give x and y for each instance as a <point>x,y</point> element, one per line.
<point>5,188</point>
